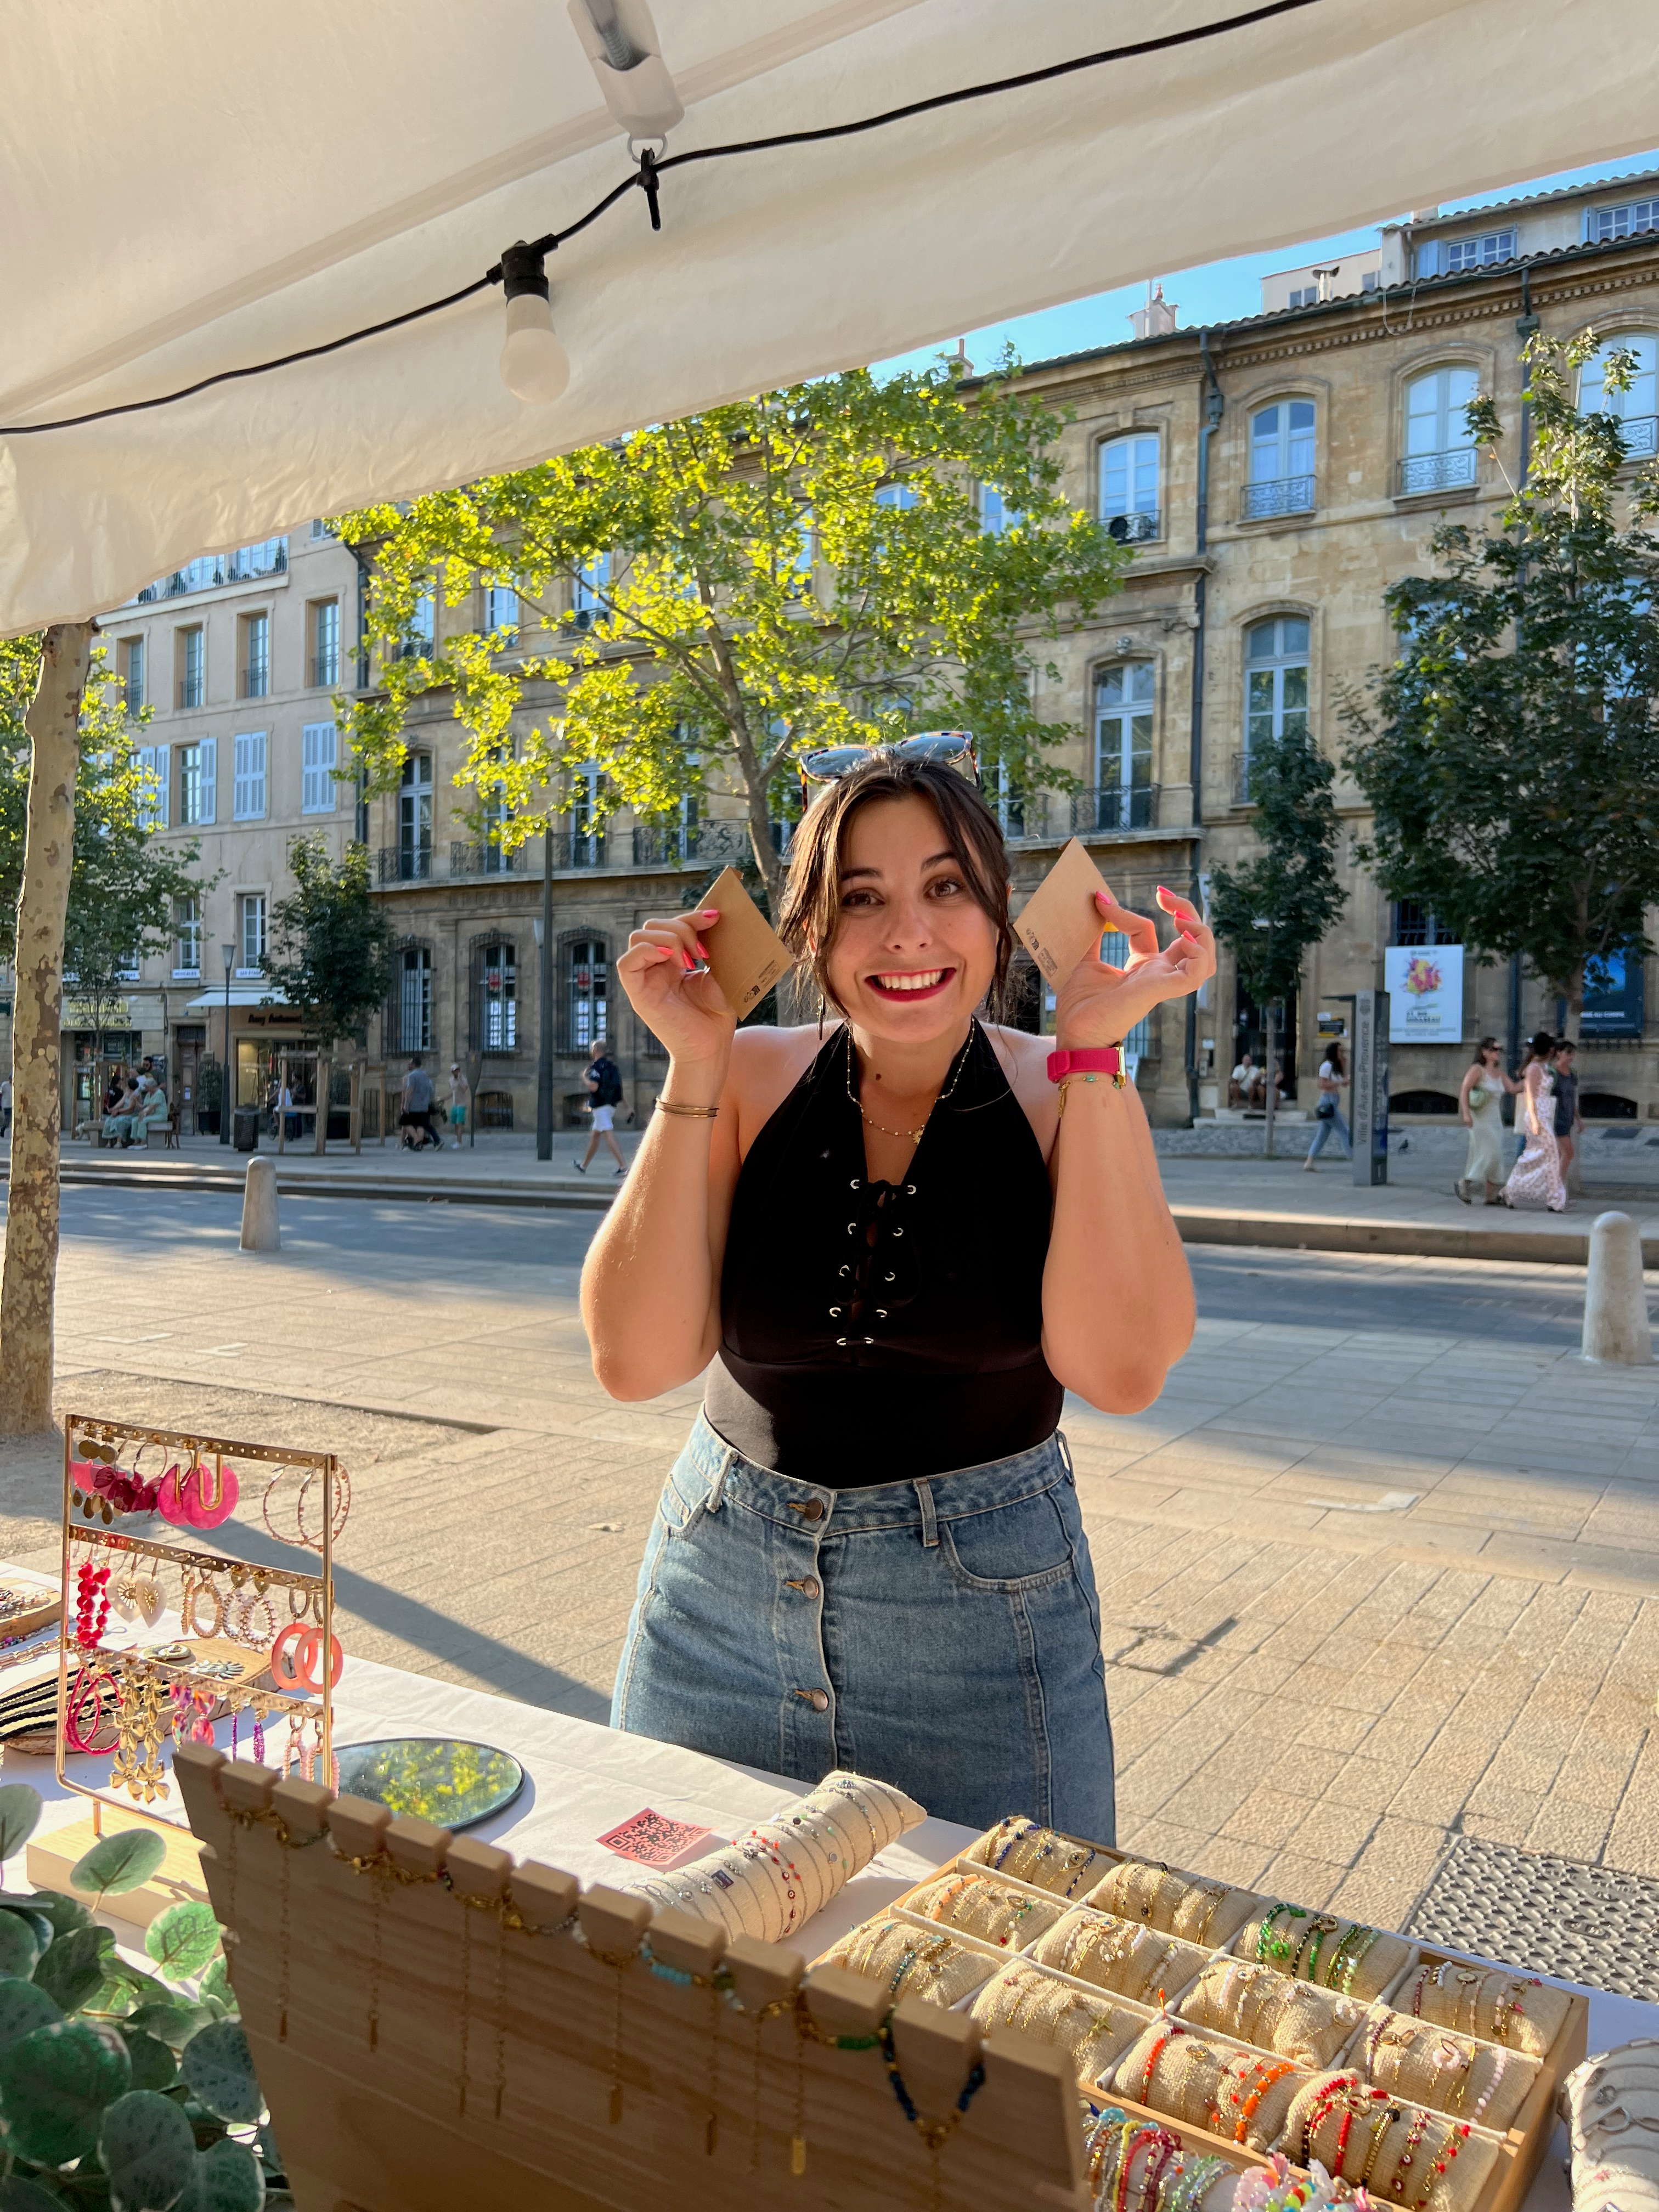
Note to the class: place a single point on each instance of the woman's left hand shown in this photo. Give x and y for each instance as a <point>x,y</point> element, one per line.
<point>1099,1004</point>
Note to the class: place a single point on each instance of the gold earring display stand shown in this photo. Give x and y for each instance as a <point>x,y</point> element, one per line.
<point>127,1698</point>
<point>435,2026</point>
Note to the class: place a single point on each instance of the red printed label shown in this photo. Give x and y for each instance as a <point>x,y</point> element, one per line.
<point>654,1840</point>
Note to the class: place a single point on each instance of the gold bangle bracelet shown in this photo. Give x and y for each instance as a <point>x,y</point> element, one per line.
<point>689,1112</point>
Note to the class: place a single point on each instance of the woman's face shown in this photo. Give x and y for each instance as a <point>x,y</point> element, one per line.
<point>914,953</point>
<point>1489,1056</point>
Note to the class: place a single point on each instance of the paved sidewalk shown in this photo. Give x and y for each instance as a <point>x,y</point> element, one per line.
<point>1362,1590</point>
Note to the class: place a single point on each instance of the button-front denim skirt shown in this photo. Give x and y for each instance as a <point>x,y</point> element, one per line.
<point>942,1634</point>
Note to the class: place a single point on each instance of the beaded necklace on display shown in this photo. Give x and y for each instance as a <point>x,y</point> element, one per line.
<point>91,1606</point>
<point>1500,2068</point>
<point>1457,2135</point>
<point>915,1135</point>
<point>1247,2111</point>
<point>1159,2046</point>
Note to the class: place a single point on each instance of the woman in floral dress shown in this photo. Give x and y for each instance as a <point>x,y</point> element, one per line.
<point>1536,1180</point>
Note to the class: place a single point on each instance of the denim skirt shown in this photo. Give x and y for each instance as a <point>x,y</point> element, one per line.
<point>941,1634</point>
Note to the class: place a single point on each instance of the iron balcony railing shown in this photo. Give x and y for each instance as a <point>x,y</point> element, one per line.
<point>1278,496</point>
<point>486,859</point>
<point>325,668</point>
<point>1447,471</point>
<point>190,691</point>
<point>1048,818</point>
<point>269,559</point>
<point>1133,529</point>
<point>406,863</point>
<point>582,849</point>
<point>255,681</point>
<point>1641,436</point>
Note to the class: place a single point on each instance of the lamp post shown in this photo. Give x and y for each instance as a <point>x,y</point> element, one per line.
<point>544,1019</point>
<point>227,953</point>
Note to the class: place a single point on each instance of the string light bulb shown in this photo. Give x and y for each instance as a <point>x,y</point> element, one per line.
<point>535,367</point>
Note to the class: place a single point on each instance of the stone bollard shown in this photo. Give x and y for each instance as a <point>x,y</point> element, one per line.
<point>1616,1326</point>
<point>261,1231</point>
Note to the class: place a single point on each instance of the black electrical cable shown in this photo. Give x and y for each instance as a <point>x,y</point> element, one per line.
<point>652,168</point>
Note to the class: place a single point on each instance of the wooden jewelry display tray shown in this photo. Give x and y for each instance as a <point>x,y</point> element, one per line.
<point>435,2026</point>
<point>1520,2148</point>
<point>154,1696</point>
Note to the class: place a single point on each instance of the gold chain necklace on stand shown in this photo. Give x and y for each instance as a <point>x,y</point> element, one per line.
<point>915,1135</point>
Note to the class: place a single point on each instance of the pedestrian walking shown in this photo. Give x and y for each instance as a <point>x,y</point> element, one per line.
<point>1479,1109</point>
<point>5,1106</point>
<point>604,1094</point>
<point>1567,1121</point>
<point>1535,1180</point>
<point>460,1101</point>
<point>870,1550</point>
<point>415,1120</point>
<point>1327,1114</point>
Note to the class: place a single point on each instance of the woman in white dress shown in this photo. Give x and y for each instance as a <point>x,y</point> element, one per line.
<point>1478,1110</point>
<point>1535,1180</point>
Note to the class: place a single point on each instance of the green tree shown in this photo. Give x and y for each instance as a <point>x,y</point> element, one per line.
<point>330,945</point>
<point>1275,907</point>
<point>811,567</point>
<point>1510,754</point>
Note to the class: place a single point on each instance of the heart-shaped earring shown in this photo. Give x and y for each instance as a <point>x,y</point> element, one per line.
<point>124,1597</point>
<point>147,1596</point>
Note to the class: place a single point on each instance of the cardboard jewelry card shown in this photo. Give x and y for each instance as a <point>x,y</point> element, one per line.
<point>746,957</point>
<point>1061,922</point>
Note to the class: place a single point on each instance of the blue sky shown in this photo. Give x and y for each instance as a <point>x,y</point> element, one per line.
<point>1219,292</point>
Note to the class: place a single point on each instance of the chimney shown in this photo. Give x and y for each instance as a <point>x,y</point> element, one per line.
<point>1157,318</point>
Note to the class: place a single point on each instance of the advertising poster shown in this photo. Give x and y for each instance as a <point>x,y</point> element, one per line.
<point>1612,996</point>
<point>1426,994</point>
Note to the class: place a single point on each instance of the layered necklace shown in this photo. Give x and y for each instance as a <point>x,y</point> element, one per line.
<point>913,1136</point>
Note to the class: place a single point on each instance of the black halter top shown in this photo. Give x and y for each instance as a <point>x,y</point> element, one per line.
<point>875,1332</point>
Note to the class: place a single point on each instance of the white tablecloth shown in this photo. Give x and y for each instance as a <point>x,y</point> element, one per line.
<point>583,1780</point>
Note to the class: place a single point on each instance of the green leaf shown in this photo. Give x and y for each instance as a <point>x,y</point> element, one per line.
<point>154,2066</point>
<point>18,2194</point>
<point>148,2153</point>
<point>219,2067</point>
<point>55,2086</point>
<point>61,1912</point>
<point>229,2178</point>
<point>21,1944</point>
<point>182,1939</point>
<point>18,1908</point>
<point>19,1814</point>
<point>72,1968</point>
<point>215,1983</point>
<point>23,2008</point>
<point>175,2023</point>
<point>118,1862</point>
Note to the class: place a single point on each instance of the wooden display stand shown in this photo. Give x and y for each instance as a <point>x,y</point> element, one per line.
<point>430,2033</point>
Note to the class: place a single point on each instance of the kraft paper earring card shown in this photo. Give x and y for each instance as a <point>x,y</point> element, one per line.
<point>1061,921</point>
<point>746,956</point>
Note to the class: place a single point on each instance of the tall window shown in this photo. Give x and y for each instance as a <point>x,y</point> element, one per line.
<point>1123,746</point>
<point>586,827</point>
<point>256,664</point>
<point>192,665</point>
<point>325,643</point>
<point>153,805</point>
<point>798,572</point>
<point>1281,459</point>
<point>497,1026</point>
<point>133,671</point>
<point>1276,681</point>
<point>997,512</point>
<point>592,582</point>
<point>424,629</point>
<point>415,818</point>
<point>1417,924</point>
<point>187,936</point>
<point>318,746</point>
<point>585,994</point>
<point>197,779</point>
<point>248,794</point>
<point>1129,486</point>
<point>1637,409</point>
<point>411,1006</point>
<point>1439,450</point>
<point>501,611</point>
<point>251,935</point>
<point>1137,1041</point>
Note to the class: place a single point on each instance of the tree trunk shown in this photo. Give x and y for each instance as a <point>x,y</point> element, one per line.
<point>1273,1071</point>
<point>29,1282</point>
<point>325,1079</point>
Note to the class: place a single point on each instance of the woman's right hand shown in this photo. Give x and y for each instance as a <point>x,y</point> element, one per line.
<point>686,1013</point>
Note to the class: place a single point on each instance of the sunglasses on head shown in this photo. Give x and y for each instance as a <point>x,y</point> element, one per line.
<point>943,746</point>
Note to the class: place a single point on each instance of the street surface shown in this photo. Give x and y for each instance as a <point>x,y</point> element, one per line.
<point>1380,1567</point>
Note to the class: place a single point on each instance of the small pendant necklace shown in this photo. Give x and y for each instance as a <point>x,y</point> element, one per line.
<point>913,1136</point>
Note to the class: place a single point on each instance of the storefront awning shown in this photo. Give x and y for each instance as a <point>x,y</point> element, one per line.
<point>242,994</point>
<point>189,190</point>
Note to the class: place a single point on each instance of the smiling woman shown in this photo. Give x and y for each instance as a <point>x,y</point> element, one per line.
<point>893,1249</point>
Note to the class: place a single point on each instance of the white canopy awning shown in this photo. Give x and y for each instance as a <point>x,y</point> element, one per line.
<point>187,190</point>
<point>242,994</point>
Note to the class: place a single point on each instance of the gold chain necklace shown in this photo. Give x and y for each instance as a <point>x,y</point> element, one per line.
<point>915,1135</point>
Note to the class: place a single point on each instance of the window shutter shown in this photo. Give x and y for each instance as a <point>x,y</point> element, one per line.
<point>316,769</point>
<point>209,752</point>
<point>154,759</point>
<point>248,798</point>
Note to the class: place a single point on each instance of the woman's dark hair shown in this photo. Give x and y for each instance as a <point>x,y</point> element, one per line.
<point>811,903</point>
<point>1334,1055</point>
<point>1485,1045</point>
<point>1541,1048</point>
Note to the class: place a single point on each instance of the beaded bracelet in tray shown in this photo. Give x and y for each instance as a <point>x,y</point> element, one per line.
<point>1168,2162</point>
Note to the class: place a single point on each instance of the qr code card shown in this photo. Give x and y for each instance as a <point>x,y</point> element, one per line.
<point>655,1840</point>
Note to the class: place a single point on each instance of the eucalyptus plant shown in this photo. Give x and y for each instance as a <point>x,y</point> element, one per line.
<point>121,2089</point>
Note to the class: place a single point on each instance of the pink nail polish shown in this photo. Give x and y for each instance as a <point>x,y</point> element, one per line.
<point>703,950</point>
<point>1190,938</point>
<point>688,963</point>
<point>710,913</point>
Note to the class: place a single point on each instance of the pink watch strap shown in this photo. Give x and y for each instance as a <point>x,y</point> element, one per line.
<point>1098,1059</point>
